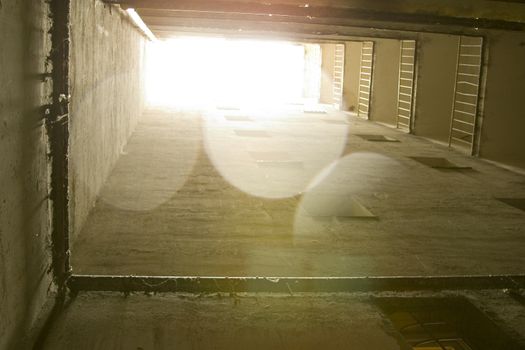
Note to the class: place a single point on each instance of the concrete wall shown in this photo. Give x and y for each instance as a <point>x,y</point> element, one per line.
<point>351,76</point>
<point>107,97</point>
<point>25,280</point>
<point>327,73</point>
<point>437,58</point>
<point>312,71</point>
<point>502,135</point>
<point>383,106</point>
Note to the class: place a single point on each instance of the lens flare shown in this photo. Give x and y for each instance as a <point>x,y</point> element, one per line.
<point>276,155</point>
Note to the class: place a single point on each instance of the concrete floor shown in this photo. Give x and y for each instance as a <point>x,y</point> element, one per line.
<point>267,193</point>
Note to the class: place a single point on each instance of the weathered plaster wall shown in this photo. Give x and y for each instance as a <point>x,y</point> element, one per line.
<point>502,136</point>
<point>25,280</point>
<point>383,106</point>
<point>327,73</point>
<point>351,76</point>
<point>437,58</point>
<point>107,97</point>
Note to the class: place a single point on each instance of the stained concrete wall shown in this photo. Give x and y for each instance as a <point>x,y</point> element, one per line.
<point>107,73</point>
<point>327,73</point>
<point>502,136</point>
<point>437,59</point>
<point>351,76</point>
<point>383,106</point>
<point>25,280</point>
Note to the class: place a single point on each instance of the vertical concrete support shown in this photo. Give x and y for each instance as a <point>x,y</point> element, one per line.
<point>386,73</point>
<point>58,131</point>
<point>437,58</point>
<point>312,72</point>
<point>351,76</point>
<point>327,73</point>
<point>107,88</point>
<point>502,134</point>
<point>26,287</point>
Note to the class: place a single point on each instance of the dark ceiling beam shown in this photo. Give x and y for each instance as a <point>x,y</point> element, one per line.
<point>312,7</point>
<point>176,23</point>
<point>128,284</point>
<point>278,30</point>
<point>311,14</point>
<point>294,36</point>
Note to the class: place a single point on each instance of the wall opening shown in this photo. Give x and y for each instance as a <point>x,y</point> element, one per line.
<point>209,72</point>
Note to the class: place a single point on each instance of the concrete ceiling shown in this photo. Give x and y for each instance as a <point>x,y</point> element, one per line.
<point>324,18</point>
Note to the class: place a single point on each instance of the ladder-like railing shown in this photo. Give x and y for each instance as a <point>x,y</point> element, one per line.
<point>464,115</point>
<point>405,88</point>
<point>365,79</point>
<point>339,66</point>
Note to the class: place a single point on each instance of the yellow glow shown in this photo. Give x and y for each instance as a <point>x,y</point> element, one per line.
<point>206,72</point>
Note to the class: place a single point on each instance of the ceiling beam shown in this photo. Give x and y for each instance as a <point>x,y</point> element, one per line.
<point>290,285</point>
<point>393,11</point>
<point>289,29</point>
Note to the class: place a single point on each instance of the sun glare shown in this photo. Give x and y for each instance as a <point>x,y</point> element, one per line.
<point>206,72</point>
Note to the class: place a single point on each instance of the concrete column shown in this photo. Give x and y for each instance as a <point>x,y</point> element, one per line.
<point>435,88</point>
<point>327,73</point>
<point>351,76</point>
<point>503,128</point>
<point>383,105</point>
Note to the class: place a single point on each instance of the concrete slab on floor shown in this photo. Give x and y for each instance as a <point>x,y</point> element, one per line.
<point>189,196</point>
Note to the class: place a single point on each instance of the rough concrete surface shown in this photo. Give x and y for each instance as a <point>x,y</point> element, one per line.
<point>111,321</point>
<point>24,208</point>
<point>254,320</point>
<point>503,122</point>
<point>437,56</point>
<point>192,196</point>
<point>507,312</point>
<point>383,104</point>
<point>107,70</point>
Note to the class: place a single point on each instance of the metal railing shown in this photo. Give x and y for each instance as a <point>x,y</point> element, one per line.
<point>339,66</point>
<point>365,79</point>
<point>405,88</point>
<point>464,114</point>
